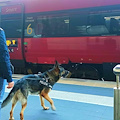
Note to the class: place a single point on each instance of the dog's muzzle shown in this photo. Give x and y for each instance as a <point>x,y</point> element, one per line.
<point>66,74</point>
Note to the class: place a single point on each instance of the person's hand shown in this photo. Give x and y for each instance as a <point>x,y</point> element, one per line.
<point>10,85</point>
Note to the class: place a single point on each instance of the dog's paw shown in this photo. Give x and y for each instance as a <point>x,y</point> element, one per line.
<point>11,118</point>
<point>46,108</point>
<point>53,108</point>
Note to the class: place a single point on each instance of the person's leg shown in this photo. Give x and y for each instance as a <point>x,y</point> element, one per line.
<point>2,90</point>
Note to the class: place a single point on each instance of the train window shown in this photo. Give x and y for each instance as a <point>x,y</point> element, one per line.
<point>39,27</point>
<point>97,25</point>
<point>59,26</point>
<point>12,28</point>
<point>94,25</point>
<point>113,24</point>
<point>49,26</point>
<point>105,24</point>
<point>78,25</point>
<point>42,27</point>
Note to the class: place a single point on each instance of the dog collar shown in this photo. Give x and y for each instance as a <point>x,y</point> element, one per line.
<point>44,80</point>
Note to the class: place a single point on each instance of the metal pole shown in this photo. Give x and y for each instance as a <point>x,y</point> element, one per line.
<point>117,80</point>
<point>116,71</point>
<point>115,104</point>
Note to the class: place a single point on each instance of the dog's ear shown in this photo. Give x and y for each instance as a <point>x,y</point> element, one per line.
<point>56,64</point>
<point>56,68</point>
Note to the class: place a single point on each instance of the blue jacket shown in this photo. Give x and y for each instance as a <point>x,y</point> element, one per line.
<point>5,69</point>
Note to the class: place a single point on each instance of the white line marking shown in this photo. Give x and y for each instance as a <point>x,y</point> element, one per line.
<point>85,98</point>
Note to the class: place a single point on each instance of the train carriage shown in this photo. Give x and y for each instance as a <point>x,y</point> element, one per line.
<point>83,36</point>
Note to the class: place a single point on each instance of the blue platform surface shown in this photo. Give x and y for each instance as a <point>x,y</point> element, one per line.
<point>72,102</point>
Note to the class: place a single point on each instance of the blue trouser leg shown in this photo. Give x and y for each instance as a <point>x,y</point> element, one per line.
<point>2,90</point>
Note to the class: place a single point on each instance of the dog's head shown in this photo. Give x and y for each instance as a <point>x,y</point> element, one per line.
<point>60,71</point>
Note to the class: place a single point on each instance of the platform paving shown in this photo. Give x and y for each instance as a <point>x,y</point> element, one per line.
<point>72,101</point>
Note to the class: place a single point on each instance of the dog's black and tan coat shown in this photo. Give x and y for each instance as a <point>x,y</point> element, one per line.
<point>35,84</point>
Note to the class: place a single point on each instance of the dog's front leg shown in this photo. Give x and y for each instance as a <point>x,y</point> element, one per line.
<point>46,96</point>
<point>42,103</point>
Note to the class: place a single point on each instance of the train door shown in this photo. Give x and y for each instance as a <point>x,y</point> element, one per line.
<point>12,23</point>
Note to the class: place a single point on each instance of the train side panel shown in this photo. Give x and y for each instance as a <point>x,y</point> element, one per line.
<point>96,50</point>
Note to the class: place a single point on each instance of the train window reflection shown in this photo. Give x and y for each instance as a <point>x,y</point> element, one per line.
<point>12,28</point>
<point>52,26</point>
<point>113,23</point>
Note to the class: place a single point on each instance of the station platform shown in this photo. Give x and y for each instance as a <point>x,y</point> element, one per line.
<point>74,99</point>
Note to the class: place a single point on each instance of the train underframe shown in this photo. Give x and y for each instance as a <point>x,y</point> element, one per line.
<point>79,70</point>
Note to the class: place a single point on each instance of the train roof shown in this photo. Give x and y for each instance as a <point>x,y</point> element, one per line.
<point>32,6</point>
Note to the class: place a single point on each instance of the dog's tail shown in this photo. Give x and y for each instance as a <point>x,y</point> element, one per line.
<point>9,97</point>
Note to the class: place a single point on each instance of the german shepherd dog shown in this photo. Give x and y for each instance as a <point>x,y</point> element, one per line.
<point>35,84</point>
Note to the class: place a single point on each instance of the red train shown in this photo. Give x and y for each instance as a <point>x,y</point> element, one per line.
<point>83,36</point>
